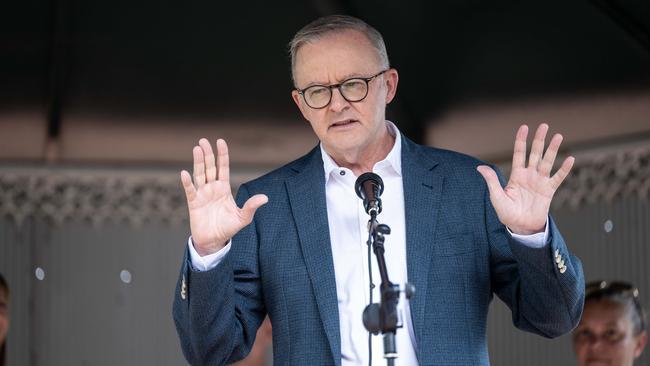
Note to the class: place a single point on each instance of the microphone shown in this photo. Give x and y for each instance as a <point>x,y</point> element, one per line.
<point>369,187</point>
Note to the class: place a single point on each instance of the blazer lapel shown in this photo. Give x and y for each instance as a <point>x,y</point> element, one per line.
<point>306,192</point>
<point>422,189</point>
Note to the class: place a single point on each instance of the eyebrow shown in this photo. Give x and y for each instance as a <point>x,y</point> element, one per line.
<point>607,325</point>
<point>344,78</point>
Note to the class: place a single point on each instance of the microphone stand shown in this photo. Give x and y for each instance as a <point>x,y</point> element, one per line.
<point>383,317</point>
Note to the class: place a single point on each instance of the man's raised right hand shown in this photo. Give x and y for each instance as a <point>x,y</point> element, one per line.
<point>214,215</point>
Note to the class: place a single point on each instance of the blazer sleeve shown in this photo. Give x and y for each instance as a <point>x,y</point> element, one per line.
<point>217,312</point>
<point>543,297</point>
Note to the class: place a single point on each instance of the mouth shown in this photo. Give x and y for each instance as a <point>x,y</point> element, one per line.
<point>597,362</point>
<point>343,123</point>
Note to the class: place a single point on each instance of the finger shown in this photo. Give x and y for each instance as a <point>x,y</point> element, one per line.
<point>199,166</point>
<point>519,155</point>
<point>208,157</point>
<point>562,173</point>
<point>223,160</point>
<point>494,186</point>
<point>190,190</point>
<point>549,157</point>
<point>252,205</point>
<point>537,147</point>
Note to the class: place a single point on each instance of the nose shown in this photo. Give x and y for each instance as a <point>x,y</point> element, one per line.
<point>338,103</point>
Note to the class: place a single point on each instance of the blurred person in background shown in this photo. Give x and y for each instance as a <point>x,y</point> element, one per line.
<point>4,318</point>
<point>612,330</point>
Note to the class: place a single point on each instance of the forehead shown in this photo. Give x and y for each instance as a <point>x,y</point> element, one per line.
<point>336,56</point>
<point>605,312</point>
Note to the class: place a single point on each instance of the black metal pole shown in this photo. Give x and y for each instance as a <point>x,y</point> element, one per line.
<point>383,317</point>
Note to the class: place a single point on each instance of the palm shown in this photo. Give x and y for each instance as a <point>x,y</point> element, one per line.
<point>214,215</point>
<point>524,203</point>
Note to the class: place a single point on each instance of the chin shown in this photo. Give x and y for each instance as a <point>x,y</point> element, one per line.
<point>342,145</point>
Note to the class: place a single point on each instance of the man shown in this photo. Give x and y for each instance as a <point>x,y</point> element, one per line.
<point>298,243</point>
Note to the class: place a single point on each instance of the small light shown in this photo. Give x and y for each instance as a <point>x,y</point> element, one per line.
<point>40,274</point>
<point>608,226</point>
<point>125,276</point>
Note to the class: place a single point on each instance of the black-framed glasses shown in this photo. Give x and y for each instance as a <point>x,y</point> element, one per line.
<point>353,90</point>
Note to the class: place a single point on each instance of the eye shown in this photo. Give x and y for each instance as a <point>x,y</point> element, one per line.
<point>612,335</point>
<point>316,91</point>
<point>582,335</point>
<point>354,84</point>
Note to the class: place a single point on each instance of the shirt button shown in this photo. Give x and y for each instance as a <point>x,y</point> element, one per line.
<point>342,172</point>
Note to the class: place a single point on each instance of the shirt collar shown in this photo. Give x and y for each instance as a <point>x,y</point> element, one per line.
<point>393,159</point>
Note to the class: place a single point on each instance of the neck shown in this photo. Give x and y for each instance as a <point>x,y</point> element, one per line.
<point>363,159</point>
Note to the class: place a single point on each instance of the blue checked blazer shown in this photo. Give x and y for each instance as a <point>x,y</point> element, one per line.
<point>458,256</point>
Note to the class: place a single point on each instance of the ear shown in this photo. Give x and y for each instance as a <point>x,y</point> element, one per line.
<point>391,78</point>
<point>300,102</point>
<point>641,341</point>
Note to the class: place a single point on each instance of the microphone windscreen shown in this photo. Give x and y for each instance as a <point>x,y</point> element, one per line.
<point>368,178</point>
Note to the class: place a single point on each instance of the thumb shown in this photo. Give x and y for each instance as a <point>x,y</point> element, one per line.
<point>492,181</point>
<point>252,205</point>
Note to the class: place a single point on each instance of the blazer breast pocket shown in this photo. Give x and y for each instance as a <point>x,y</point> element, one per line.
<point>451,244</point>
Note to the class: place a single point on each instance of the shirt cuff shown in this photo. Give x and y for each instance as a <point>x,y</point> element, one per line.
<point>209,261</point>
<point>537,240</point>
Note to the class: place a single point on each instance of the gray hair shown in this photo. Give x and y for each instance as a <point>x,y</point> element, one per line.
<point>332,24</point>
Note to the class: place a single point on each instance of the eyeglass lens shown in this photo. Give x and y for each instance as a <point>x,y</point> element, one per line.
<point>353,90</point>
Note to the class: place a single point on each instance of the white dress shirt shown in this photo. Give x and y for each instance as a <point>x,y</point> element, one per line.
<point>348,233</point>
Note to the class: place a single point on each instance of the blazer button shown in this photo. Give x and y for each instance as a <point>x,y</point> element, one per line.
<point>563,269</point>
<point>561,264</point>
